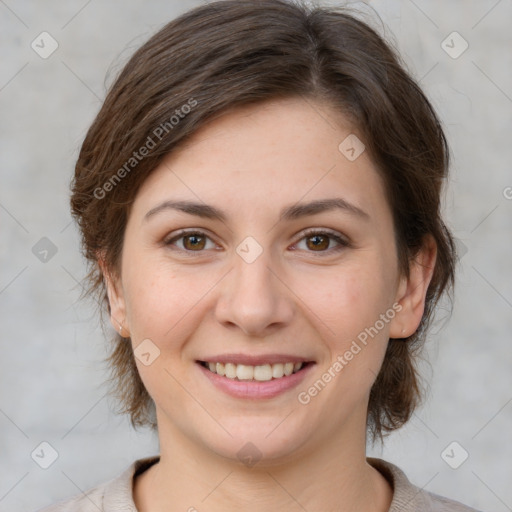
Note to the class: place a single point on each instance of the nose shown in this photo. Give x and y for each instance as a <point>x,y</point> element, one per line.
<point>254,298</point>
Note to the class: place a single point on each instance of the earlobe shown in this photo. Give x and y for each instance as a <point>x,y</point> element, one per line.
<point>412,291</point>
<point>115,298</point>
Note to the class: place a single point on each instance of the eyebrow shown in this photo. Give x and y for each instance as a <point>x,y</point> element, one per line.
<point>288,213</point>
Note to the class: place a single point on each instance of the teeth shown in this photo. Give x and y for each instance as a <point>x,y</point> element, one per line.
<point>263,372</point>
<point>277,370</point>
<point>260,373</point>
<point>244,372</point>
<point>230,370</point>
<point>219,368</point>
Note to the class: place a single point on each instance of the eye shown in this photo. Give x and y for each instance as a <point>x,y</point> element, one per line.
<point>191,241</point>
<point>314,240</point>
<point>321,241</point>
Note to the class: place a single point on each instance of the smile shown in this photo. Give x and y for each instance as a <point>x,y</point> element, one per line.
<point>261,373</point>
<point>263,379</point>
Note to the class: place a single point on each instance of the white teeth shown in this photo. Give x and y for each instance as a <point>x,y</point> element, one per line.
<point>230,370</point>
<point>277,370</point>
<point>219,368</point>
<point>244,372</point>
<point>263,372</point>
<point>260,373</point>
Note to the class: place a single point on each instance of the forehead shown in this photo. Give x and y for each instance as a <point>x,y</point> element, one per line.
<point>268,154</point>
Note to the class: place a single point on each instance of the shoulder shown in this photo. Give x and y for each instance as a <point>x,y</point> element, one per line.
<point>116,495</point>
<point>408,498</point>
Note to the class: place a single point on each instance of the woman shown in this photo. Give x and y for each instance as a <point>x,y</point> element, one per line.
<point>259,199</point>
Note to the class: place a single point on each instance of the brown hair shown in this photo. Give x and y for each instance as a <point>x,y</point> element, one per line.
<point>231,53</point>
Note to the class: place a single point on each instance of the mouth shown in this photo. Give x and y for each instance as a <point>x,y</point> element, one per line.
<point>262,380</point>
<point>258,373</point>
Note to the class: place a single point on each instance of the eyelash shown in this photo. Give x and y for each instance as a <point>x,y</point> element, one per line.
<point>342,242</point>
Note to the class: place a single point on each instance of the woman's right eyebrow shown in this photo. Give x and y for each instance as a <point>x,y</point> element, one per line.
<point>198,209</point>
<point>291,212</point>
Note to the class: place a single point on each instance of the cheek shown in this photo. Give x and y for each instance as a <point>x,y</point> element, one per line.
<point>154,296</point>
<point>162,307</point>
<point>350,300</point>
<point>165,304</point>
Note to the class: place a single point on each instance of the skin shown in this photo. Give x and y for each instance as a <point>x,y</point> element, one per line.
<point>295,298</point>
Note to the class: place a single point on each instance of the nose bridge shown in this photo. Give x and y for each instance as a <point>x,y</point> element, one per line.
<point>253,298</point>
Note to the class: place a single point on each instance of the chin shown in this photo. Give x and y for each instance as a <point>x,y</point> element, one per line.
<point>262,441</point>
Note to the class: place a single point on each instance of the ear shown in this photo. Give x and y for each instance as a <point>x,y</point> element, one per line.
<point>412,291</point>
<point>115,298</point>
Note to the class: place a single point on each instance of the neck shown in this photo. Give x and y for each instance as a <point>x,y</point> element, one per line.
<point>193,479</point>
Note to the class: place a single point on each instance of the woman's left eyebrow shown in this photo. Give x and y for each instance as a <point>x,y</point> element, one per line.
<point>291,212</point>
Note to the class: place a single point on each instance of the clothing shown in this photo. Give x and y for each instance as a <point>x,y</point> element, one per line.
<point>117,494</point>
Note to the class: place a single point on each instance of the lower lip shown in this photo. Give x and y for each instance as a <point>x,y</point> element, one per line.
<point>252,389</point>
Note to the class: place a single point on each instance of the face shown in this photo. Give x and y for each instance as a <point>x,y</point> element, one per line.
<point>256,250</point>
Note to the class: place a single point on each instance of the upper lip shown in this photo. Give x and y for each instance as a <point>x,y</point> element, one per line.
<point>255,360</point>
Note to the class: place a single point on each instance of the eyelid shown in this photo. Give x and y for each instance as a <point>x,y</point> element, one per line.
<point>323,231</point>
<point>173,237</point>
<point>341,239</point>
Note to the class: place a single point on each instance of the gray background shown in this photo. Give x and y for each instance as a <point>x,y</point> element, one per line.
<point>51,372</point>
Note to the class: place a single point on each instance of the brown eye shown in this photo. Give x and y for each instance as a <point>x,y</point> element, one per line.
<point>194,242</point>
<point>320,242</point>
<point>190,241</point>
